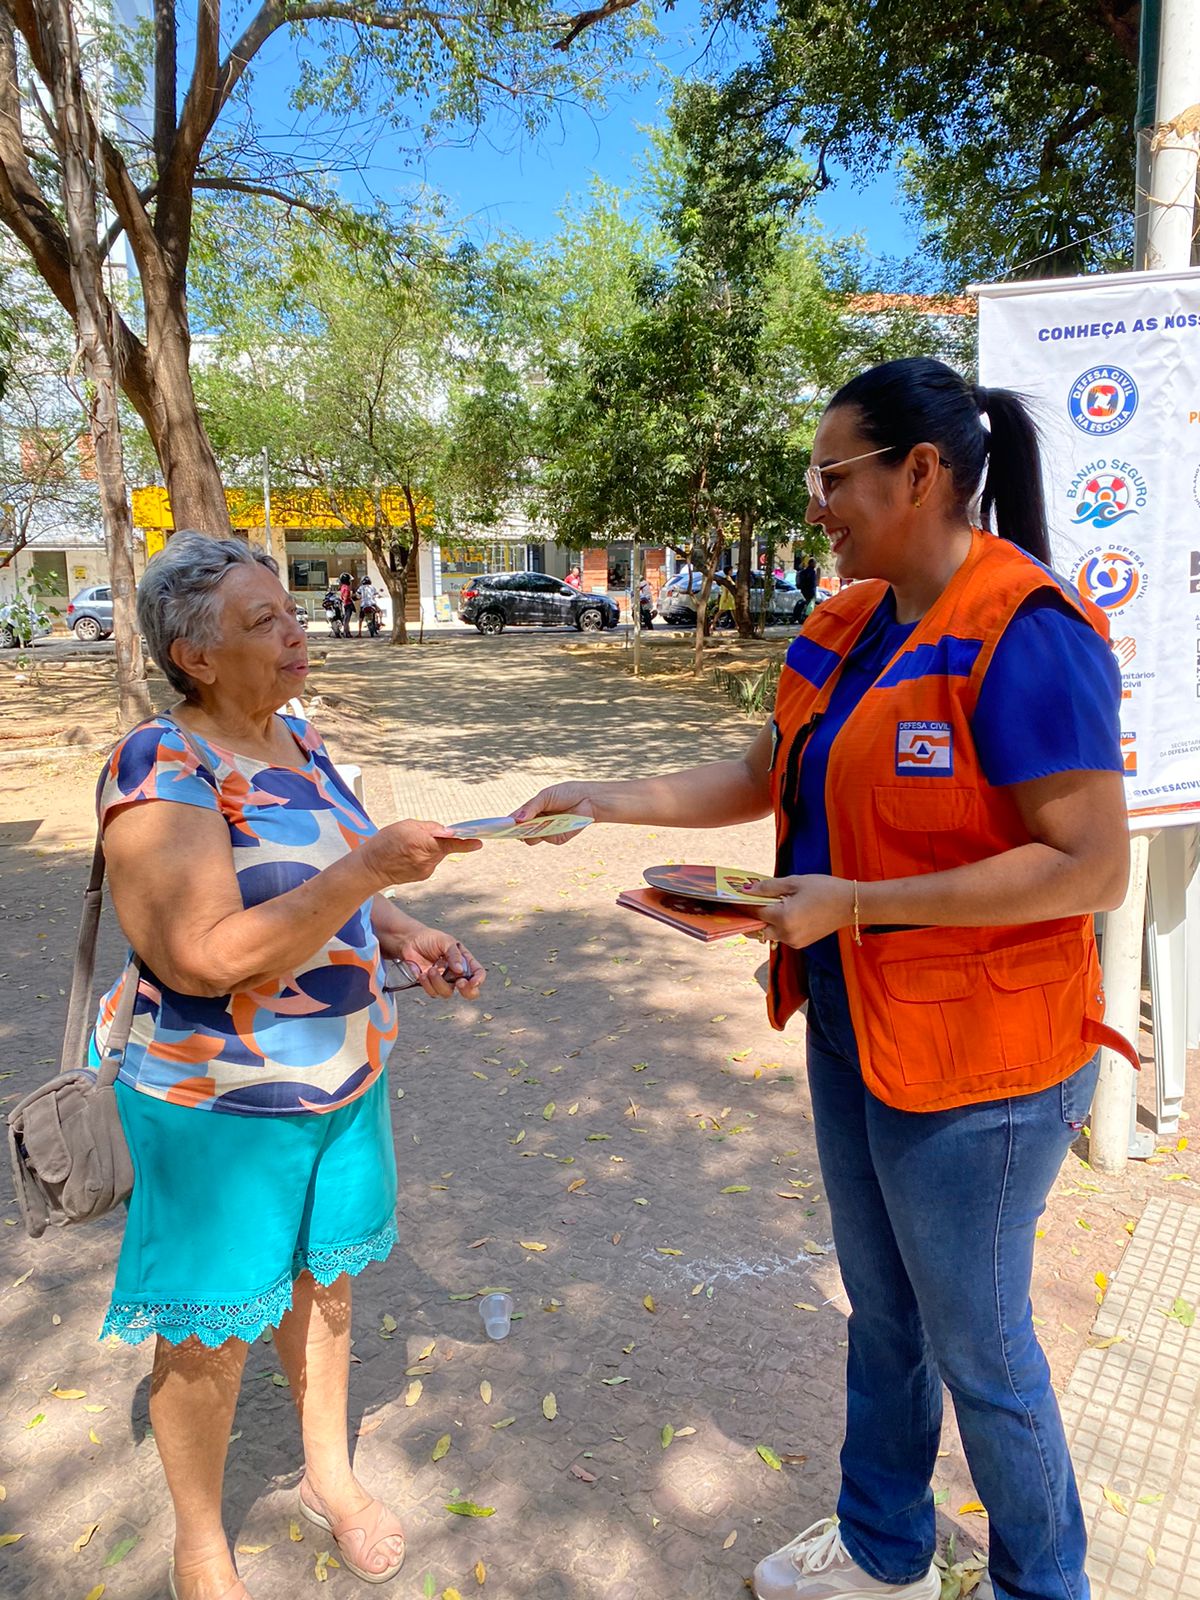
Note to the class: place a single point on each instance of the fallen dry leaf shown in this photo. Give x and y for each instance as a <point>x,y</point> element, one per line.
<point>294,1533</point>
<point>972,1508</point>
<point>530,1244</point>
<point>485,1392</point>
<point>582,1473</point>
<point>10,1538</point>
<point>480,1572</point>
<point>1116,1501</point>
<point>427,1351</point>
<point>441,1448</point>
<point>730,1541</point>
<point>413,1393</point>
<point>252,1549</point>
<point>94,1594</point>
<point>550,1408</point>
<point>84,1538</point>
<point>368,1425</point>
<point>648,1302</point>
<point>68,1394</point>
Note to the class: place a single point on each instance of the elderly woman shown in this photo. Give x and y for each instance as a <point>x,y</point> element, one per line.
<point>248,881</point>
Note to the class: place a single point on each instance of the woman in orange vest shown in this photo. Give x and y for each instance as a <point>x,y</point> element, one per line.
<point>944,769</point>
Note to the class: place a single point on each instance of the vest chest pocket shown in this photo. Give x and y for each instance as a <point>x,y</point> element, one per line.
<point>918,824</point>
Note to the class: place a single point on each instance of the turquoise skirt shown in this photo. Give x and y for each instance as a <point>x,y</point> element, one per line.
<point>228,1211</point>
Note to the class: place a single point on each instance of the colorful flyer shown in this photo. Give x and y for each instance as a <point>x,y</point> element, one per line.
<point>549,827</point>
<point>724,885</point>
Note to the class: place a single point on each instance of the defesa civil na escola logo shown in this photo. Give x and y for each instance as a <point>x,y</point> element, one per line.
<point>1110,576</point>
<point>1102,400</point>
<point>1107,491</point>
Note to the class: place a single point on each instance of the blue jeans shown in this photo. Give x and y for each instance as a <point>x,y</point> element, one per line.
<point>934,1215</point>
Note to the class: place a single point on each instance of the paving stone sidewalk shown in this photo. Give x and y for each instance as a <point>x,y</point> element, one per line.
<point>614,1135</point>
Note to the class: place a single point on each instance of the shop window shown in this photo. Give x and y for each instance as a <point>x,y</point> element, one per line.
<point>306,574</point>
<point>619,557</point>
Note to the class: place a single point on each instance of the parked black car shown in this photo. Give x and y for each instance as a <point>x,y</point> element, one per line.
<point>676,607</point>
<point>508,599</point>
<point>90,614</point>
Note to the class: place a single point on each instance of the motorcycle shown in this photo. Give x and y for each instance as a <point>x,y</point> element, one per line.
<point>373,618</point>
<point>332,607</point>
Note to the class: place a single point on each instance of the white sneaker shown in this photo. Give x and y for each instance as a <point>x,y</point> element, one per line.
<point>817,1566</point>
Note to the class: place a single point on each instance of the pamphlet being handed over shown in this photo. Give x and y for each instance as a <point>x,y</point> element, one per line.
<point>548,827</point>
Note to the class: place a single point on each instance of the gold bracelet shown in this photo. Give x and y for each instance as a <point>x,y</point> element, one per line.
<point>857,929</point>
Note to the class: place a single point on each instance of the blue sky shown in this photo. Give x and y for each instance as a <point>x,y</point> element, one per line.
<point>515,185</point>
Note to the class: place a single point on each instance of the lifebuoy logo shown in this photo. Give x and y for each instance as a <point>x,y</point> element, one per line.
<point>1102,400</point>
<point>1106,491</point>
<point>1111,577</point>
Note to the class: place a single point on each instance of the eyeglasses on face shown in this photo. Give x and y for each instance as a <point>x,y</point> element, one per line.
<point>815,483</point>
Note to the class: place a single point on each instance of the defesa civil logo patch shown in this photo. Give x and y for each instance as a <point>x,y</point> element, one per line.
<point>924,748</point>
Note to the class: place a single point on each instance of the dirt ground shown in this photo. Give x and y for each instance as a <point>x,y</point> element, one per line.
<point>664,1087</point>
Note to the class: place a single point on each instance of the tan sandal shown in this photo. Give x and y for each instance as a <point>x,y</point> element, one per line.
<point>362,1533</point>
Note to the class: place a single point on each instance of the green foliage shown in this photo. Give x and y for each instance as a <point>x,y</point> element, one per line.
<point>1013,123</point>
<point>683,411</point>
<point>361,365</point>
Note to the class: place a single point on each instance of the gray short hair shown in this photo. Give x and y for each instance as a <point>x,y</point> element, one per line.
<point>177,597</point>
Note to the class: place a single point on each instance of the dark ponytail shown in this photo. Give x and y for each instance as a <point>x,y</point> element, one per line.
<point>1013,486</point>
<point>901,404</point>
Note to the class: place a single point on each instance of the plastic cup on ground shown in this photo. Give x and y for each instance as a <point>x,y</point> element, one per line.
<point>496,1311</point>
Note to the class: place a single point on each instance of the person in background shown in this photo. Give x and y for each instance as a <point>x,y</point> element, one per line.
<point>367,602</point>
<point>806,582</point>
<point>249,883</point>
<point>646,603</point>
<point>944,770</point>
<point>346,596</point>
<point>573,578</point>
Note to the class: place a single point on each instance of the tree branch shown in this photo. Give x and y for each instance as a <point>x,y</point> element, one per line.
<point>265,190</point>
<point>165,68</point>
<point>588,19</point>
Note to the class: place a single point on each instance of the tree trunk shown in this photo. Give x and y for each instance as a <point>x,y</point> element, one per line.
<point>96,345</point>
<point>741,605</point>
<point>180,442</point>
<point>710,568</point>
<point>399,626</point>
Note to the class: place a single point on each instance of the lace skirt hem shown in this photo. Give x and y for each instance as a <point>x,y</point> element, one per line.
<point>213,1323</point>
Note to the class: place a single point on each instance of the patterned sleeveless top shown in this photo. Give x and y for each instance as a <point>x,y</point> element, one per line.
<point>314,1038</point>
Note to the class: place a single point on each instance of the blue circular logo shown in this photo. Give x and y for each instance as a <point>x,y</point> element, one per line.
<point>1102,400</point>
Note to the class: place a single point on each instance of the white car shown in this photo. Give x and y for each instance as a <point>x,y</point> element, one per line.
<point>21,624</point>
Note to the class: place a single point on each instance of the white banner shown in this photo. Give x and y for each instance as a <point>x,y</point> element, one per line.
<point>1111,366</point>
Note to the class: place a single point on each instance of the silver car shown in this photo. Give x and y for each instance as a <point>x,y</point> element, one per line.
<point>90,614</point>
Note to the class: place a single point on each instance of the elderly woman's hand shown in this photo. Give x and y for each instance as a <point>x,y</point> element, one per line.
<point>808,908</point>
<point>446,966</point>
<point>408,852</point>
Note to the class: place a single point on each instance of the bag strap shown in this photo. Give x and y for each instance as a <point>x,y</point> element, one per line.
<point>83,975</point>
<point>85,963</point>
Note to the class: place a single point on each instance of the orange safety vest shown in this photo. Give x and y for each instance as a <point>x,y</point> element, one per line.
<point>942,1016</point>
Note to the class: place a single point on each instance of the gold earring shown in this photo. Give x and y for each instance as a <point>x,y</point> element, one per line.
<point>916,500</point>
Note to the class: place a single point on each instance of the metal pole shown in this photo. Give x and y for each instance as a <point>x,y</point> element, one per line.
<point>636,560</point>
<point>266,475</point>
<point>1169,87</point>
<point>1175,145</point>
<point>1114,1110</point>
